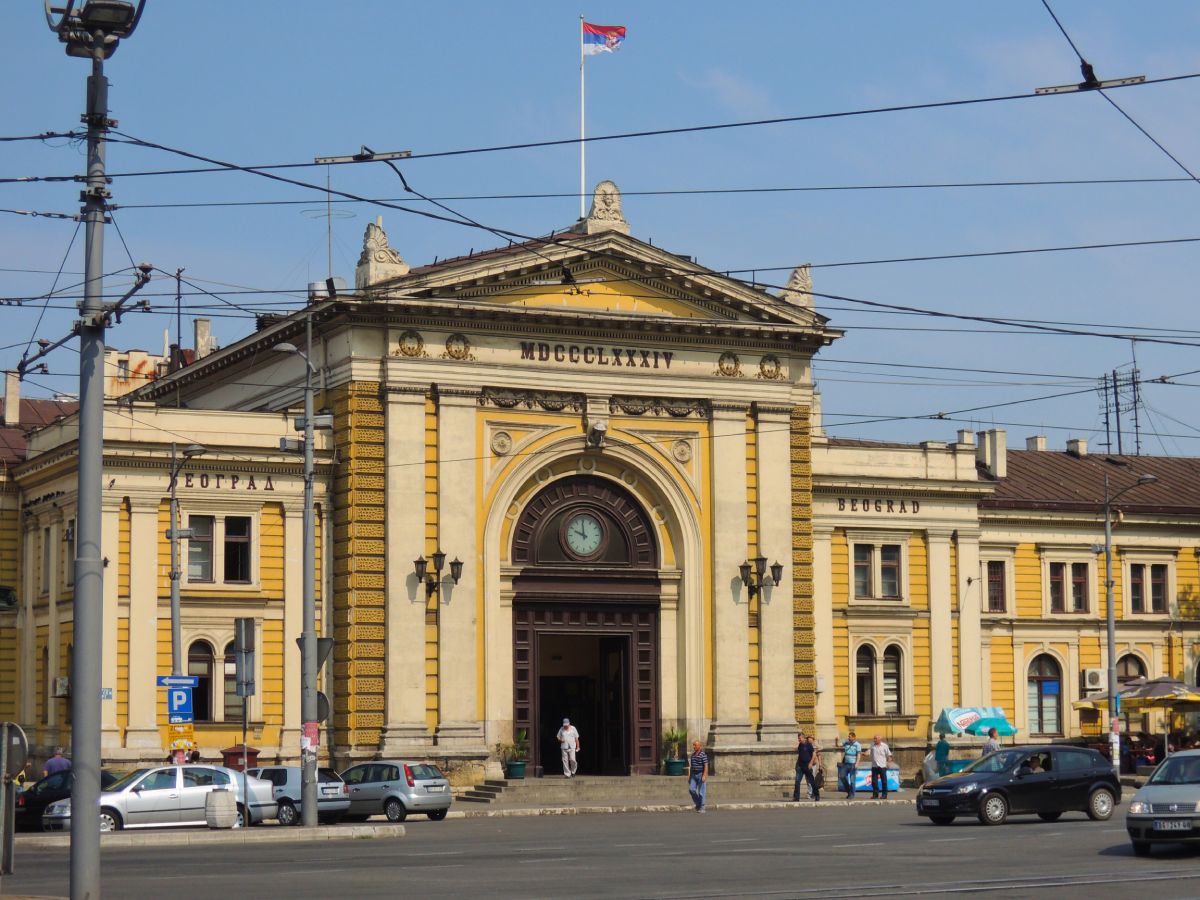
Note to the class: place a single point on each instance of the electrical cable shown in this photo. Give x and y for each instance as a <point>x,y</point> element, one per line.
<point>42,314</point>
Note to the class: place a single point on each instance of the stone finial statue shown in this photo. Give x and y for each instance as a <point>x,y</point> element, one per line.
<point>606,211</point>
<point>798,289</point>
<point>379,260</point>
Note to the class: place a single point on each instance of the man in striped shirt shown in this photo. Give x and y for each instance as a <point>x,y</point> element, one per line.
<point>698,776</point>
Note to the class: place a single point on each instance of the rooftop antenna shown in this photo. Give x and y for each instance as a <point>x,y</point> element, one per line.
<point>328,214</point>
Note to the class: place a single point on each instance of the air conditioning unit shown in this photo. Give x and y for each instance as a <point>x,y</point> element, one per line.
<point>1094,680</point>
<point>62,686</point>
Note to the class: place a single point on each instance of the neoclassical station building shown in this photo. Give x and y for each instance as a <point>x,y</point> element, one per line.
<point>616,457</point>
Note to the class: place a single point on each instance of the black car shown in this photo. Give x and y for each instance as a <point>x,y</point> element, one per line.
<point>37,796</point>
<point>1044,781</point>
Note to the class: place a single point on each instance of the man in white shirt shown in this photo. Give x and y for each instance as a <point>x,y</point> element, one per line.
<point>881,756</point>
<point>568,739</point>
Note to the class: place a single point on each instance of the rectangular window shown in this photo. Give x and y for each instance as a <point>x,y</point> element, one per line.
<point>237,549</point>
<point>1079,591</point>
<point>200,548</point>
<point>1158,588</point>
<point>862,571</point>
<point>1137,588</point>
<point>996,586</point>
<point>46,556</point>
<point>69,540</point>
<point>1058,587</point>
<point>889,570</point>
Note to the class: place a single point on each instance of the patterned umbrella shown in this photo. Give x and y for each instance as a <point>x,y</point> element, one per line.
<point>1160,693</point>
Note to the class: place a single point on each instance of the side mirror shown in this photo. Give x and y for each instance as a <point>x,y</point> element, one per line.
<point>137,789</point>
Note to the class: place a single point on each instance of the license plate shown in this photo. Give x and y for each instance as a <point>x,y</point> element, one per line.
<point>925,802</point>
<point>1172,824</point>
<point>435,788</point>
<point>331,790</point>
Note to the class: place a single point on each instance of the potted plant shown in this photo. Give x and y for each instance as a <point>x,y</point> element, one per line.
<point>674,740</point>
<point>514,754</point>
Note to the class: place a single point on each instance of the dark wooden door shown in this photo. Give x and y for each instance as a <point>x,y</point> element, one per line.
<point>614,705</point>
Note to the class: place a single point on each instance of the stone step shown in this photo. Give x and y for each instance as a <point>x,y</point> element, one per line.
<point>555,790</point>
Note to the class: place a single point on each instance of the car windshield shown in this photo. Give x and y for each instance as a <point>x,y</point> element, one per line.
<point>324,776</point>
<point>1001,761</point>
<point>1178,770</point>
<point>125,782</point>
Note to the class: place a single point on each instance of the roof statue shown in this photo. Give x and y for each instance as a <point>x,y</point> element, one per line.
<point>379,260</point>
<point>606,212</point>
<point>798,289</point>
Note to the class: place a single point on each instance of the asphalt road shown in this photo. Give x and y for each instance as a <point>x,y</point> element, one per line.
<point>862,851</point>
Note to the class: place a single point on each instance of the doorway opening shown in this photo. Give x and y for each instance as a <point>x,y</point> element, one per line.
<point>585,678</point>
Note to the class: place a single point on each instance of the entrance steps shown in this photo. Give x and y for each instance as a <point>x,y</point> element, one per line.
<point>617,790</point>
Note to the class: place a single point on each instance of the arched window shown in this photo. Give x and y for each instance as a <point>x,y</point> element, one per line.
<point>233,703</point>
<point>1045,696</point>
<point>200,665</point>
<point>891,680</point>
<point>1130,667</point>
<point>864,669</point>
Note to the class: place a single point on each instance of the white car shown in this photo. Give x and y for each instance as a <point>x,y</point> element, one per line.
<point>166,796</point>
<point>333,796</point>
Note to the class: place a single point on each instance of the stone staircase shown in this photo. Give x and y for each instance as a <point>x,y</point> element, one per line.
<point>617,790</point>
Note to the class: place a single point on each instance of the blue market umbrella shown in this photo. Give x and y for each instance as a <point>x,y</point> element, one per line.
<point>980,727</point>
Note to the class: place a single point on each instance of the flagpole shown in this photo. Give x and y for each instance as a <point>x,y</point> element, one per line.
<point>582,145</point>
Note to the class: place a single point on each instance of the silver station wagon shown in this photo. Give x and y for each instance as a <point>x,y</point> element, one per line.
<point>396,788</point>
<point>169,795</point>
<point>1167,807</point>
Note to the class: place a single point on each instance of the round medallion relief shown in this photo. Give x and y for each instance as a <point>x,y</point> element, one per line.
<point>411,343</point>
<point>457,346</point>
<point>502,442</point>
<point>682,451</point>
<point>769,366</point>
<point>729,364</point>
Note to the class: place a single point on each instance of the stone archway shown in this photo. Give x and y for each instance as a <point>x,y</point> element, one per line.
<point>585,624</point>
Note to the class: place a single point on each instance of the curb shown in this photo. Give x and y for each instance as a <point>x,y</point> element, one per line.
<point>258,835</point>
<point>522,812</point>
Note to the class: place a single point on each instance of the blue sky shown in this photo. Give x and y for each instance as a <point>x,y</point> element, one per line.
<point>260,83</point>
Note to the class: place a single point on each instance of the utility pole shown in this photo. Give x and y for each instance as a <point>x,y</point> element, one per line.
<point>91,32</point>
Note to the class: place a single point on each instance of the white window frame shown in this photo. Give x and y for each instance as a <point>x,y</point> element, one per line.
<point>218,550</point>
<point>1147,556</point>
<point>217,636</point>
<point>1065,722</point>
<point>876,540</point>
<point>1001,553</point>
<point>1054,553</point>
<point>879,640</point>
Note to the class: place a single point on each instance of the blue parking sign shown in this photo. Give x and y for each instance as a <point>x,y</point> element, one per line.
<point>179,705</point>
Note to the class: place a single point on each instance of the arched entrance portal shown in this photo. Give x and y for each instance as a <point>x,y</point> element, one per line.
<point>585,626</point>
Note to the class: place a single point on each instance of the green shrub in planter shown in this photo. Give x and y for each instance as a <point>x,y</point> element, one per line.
<point>513,754</point>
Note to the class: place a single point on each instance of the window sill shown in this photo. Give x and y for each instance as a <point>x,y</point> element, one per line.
<point>882,718</point>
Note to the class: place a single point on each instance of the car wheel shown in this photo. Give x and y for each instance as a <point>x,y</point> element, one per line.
<point>941,820</point>
<point>287,814</point>
<point>1100,805</point>
<point>110,820</point>
<point>1141,848</point>
<point>1049,816</point>
<point>993,809</point>
<point>240,821</point>
<point>394,810</point>
<point>436,815</point>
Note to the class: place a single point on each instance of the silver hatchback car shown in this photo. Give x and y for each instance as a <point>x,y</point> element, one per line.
<point>396,788</point>
<point>1167,807</point>
<point>333,797</point>
<point>169,795</point>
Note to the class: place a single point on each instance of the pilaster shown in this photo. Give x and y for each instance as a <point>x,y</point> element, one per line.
<point>110,542</point>
<point>293,627</point>
<point>941,645</point>
<point>142,731</point>
<point>970,592</point>
<point>827,724</point>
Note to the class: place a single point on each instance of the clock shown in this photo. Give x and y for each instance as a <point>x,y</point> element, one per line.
<point>583,534</point>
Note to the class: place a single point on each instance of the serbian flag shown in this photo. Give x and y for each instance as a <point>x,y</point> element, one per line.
<point>602,38</point>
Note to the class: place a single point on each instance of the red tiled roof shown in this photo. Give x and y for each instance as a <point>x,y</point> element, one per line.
<point>1058,480</point>
<point>35,413</point>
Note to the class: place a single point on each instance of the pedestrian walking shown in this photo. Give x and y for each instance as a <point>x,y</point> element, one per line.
<point>568,740</point>
<point>698,776</point>
<point>807,764</point>
<point>848,768</point>
<point>941,755</point>
<point>992,744</point>
<point>56,763</point>
<point>881,756</point>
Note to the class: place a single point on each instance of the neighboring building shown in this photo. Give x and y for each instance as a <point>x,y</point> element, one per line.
<point>125,371</point>
<point>601,437</point>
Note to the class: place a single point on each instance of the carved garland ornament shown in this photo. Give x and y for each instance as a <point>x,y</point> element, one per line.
<point>658,406</point>
<point>729,365</point>
<point>411,345</point>
<point>506,398</point>
<point>770,368</point>
<point>458,347</point>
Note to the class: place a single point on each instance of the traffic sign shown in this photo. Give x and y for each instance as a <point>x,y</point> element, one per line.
<point>179,702</point>
<point>181,732</point>
<point>177,681</point>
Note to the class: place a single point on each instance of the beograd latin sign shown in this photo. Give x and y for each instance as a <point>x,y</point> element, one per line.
<point>878,505</point>
<point>596,355</point>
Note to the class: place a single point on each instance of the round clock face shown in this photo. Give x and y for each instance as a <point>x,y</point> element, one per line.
<point>583,534</point>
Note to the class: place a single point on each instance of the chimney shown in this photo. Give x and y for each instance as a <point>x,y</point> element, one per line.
<point>1077,447</point>
<point>202,337</point>
<point>1037,442</point>
<point>12,399</point>
<point>966,437</point>
<point>992,452</point>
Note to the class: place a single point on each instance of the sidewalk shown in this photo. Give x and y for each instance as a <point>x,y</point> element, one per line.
<point>259,834</point>
<point>500,809</point>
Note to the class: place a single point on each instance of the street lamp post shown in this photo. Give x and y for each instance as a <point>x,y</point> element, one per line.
<point>92,30</point>
<point>1113,737</point>
<point>174,534</point>
<point>308,640</point>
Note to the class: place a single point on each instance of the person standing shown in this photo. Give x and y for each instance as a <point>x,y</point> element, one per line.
<point>881,757</point>
<point>992,744</point>
<point>56,763</point>
<point>806,768</point>
<point>568,740</point>
<point>848,768</point>
<point>941,755</point>
<point>698,776</point>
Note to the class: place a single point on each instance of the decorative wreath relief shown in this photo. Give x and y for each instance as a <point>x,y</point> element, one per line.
<point>682,451</point>
<point>502,443</point>
<point>729,365</point>
<point>769,367</point>
<point>411,344</point>
<point>458,347</point>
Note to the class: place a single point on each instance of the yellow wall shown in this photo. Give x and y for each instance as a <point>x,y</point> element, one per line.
<point>432,541</point>
<point>804,628</point>
<point>10,576</point>
<point>754,610</point>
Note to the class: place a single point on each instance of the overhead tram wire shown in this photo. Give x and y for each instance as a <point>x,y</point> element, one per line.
<point>53,286</point>
<point>628,135</point>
